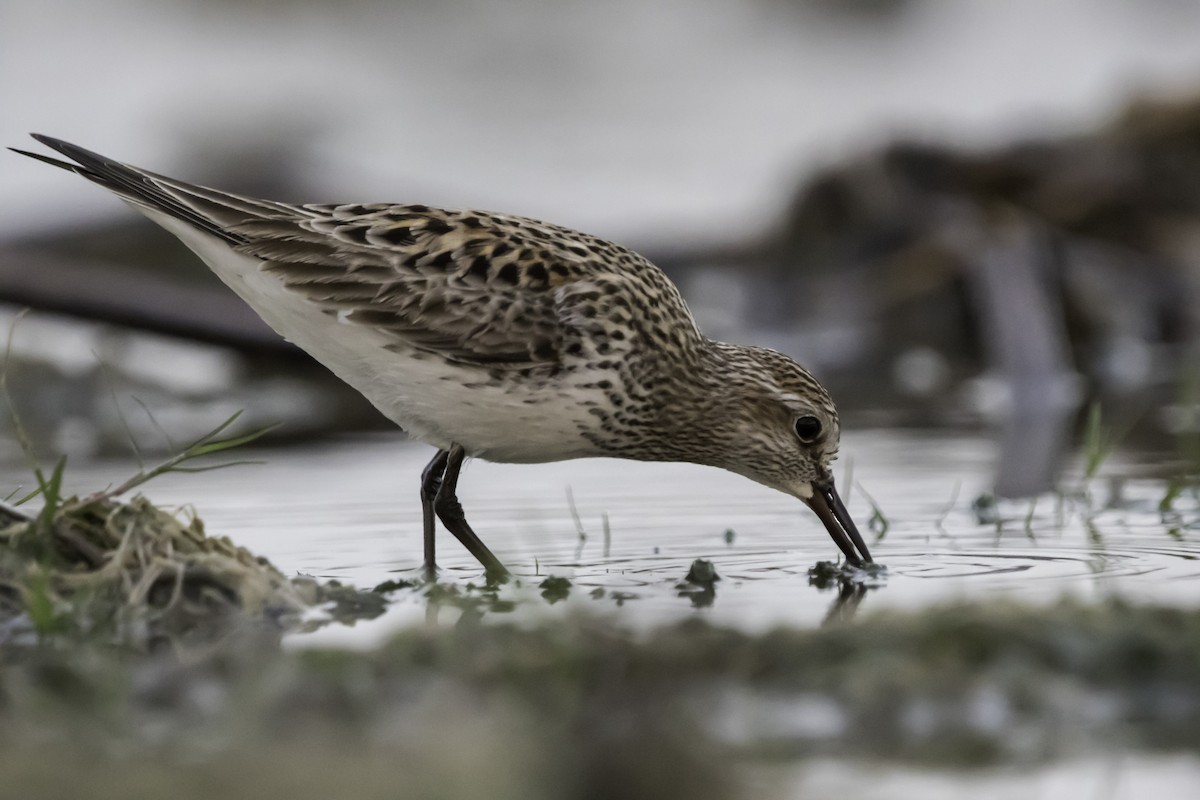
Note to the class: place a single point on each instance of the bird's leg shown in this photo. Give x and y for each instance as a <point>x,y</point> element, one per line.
<point>431,482</point>
<point>448,509</point>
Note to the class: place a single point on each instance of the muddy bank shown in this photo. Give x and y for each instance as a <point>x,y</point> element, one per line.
<point>133,576</point>
<point>561,708</point>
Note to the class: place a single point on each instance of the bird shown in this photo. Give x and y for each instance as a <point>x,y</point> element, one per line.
<point>501,337</point>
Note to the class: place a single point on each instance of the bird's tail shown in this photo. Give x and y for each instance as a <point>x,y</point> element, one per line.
<point>208,210</point>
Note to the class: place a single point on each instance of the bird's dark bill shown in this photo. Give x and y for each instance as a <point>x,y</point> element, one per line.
<point>832,513</point>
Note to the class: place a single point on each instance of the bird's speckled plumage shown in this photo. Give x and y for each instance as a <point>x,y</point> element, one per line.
<point>515,339</point>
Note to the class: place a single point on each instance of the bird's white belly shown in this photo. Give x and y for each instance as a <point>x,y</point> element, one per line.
<point>422,393</point>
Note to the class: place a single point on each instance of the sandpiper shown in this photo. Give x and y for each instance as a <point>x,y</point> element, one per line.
<point>501,337</point>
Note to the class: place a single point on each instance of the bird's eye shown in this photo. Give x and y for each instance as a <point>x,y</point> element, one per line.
<point>808,428</point>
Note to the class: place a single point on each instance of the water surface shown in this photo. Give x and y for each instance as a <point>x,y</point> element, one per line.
<point>348,510</point>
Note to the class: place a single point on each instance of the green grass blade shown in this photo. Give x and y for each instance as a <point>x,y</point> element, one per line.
<point>1174,489</point>
<point>215,432</point>
<point>51,490</point>
<point>219,445</point>
<point>222,465</point>
<point>1096,442</point>
<point>203,446</point>
<point>27,497</point>
<point>878,522</point>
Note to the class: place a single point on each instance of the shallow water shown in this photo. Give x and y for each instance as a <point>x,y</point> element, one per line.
<point>348,510</point>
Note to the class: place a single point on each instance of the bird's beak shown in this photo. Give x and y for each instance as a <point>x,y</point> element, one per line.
<point>826,504</point>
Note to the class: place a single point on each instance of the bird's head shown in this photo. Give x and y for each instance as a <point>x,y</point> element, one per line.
<point>780,428</point>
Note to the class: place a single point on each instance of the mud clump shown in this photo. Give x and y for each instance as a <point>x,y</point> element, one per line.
<point>135,575</point>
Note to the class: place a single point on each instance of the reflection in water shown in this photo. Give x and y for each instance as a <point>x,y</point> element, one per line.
<point>473,602</point>
<point>852,584</point>
<point>701,596</point>
<point>700,584</point>
<point>845,606</point>
<point>555,589</point>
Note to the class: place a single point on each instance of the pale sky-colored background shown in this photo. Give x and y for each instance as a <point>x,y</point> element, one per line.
<point>649,122</point>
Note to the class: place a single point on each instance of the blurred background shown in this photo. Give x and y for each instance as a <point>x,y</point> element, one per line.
<point>968,214</point>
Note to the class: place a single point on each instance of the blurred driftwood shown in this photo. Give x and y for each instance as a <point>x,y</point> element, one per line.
<point>101,291</point>
<point>130,272</point>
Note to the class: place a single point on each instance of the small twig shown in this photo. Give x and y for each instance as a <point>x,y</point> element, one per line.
<point>151,572</point>
<point>877,517</point>
<point>578,523</point>
<point>94,555</point>
<point>177,589</point>
<point>1029,520</point>
<point>939,523</point>
<point>10,514</point>
<point>123,544</point>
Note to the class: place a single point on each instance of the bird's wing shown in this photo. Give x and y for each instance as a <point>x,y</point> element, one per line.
<point>480,288</point>
<point>474,287</point>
